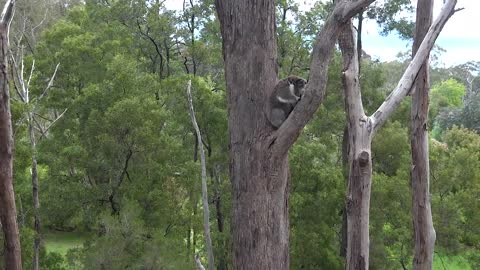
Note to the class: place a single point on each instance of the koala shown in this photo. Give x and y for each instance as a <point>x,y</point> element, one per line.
<point>285,96</point>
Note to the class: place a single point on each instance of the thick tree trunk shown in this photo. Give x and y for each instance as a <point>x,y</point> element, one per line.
<point>259,178</point>
<point>206,211</point>
<point>35,194</point>
<point>8,212</point>
<point>424,233</point>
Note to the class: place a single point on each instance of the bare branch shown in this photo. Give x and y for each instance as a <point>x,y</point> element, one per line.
<point>198,262</point>
<point>7,14</point>
<point>408,78</point>
<point>31,74</point>
<point>14,68</point>
<point>54,121</point>
<point>322,52</point>
<point>50,83</point>
<point>40,23</point>
<point>350,80</point>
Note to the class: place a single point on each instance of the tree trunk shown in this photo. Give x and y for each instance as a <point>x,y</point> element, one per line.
<point>8,212</point>
<point>362,129</point>
<point>424,233</point>
<point>35,194</point>
<point>360,161</point>
<point>206,211</point>
<point>222,264</point>
<point>259,179</point>
<point>259,169</point>
<point>345,173</point>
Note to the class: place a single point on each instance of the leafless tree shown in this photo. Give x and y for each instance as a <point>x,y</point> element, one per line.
<point>362,129</point>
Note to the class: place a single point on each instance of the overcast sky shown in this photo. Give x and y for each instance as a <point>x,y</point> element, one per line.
<point>460,37</point>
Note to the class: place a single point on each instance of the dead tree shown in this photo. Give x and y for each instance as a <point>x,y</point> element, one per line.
<point>206,211</point>
<point>362,128</point>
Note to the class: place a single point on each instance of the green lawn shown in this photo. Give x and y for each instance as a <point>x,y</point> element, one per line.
<point>61,242</point>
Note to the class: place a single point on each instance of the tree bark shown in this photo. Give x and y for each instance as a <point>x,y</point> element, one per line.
<point>259,170</point>
<point>8,212</point>
<point>35,195</point>
<point>424,233</point>
<point>362,129</point>
<point>206,211</point>
<point>359,157</point>
<point>222,264</point>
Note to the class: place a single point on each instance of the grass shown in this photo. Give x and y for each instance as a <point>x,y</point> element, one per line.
<point>61,242</point>
<point>441,262</point>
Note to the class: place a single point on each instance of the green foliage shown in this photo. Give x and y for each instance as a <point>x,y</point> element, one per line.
<point>391,15</point>
<point>121,166</point>
<point>448,93</point>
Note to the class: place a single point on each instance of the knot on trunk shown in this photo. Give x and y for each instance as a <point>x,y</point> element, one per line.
<point>363,158</point>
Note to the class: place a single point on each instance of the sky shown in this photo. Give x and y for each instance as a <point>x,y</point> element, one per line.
<point>460,36</point>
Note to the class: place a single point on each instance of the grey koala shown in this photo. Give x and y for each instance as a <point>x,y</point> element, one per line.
<point>285,96</point>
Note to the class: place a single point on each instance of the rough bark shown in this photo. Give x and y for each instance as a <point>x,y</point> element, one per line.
<point>206,211</point>
<point>424,233</point>
<point>8,212</point>
<point>362,129</point>
<point>259,169</point>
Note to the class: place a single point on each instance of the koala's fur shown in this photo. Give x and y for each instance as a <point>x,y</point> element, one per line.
<point>285,96</point>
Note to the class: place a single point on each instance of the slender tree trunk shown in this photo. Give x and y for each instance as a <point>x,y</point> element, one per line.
<point>8,212</point>
<point>345,172</point>
<point>206,211</point>
<point>359,40</point>
<point>222,264</point>
<point>35,194</point>
<point>424,233</point>
<point>361,130</point>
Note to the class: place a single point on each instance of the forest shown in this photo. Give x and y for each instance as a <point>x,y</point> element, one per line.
<point>140,138</point>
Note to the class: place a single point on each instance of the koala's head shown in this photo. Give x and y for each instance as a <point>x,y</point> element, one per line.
<point>299,84</point>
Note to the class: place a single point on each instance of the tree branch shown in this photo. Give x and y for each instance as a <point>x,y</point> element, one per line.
<point>7,14</point>
<point>53,122</point>
<point>50,83</point>
<point>405,84</point>
<point>322,52</point>
<point>350,80</point>
<point>198,262</point>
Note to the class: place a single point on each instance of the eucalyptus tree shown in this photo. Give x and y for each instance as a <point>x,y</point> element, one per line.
<point>8,211</point>
<point>259,169</point>
<point>424,234</point>
<point>362,129</point>
<point>34,122</point>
